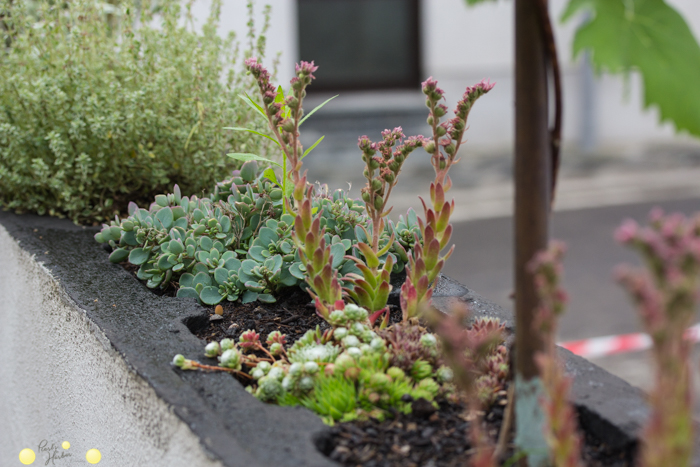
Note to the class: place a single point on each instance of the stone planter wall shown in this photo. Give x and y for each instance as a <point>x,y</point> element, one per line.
<point>86,353</point>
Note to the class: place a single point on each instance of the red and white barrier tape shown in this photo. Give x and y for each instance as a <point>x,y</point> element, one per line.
<point>610,345</point>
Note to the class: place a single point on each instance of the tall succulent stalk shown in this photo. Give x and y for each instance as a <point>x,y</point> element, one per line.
<point>285,128</point>
<point>561,430</point>
<point>313,251</point>
<point>467,352</point>
<point>425,263</point>
<point>371,289</point>
<point>666,295</point>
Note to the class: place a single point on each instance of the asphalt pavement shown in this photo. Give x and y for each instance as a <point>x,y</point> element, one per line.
<point>598,306</point>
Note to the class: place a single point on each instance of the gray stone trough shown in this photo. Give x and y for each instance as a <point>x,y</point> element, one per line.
<point>86,352</point>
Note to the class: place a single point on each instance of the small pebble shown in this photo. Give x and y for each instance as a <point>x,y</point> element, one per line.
<point>216,318</point>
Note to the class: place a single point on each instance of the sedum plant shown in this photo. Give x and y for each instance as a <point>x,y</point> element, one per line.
<point>232,245</point>
<point>425,262</point>
<point>106,103</point>
<point>666,295</point>
<point>561,427</point>
<point>343,374</point>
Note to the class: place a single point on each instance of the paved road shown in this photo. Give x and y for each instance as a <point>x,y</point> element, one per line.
<point>598,306</point>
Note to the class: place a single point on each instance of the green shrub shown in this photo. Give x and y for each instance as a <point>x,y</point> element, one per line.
<point>101,104</point>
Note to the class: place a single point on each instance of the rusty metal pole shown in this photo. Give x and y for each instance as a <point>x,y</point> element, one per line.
<point>532,197</point>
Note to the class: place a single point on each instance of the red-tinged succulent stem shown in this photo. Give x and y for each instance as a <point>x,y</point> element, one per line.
<point>468,351</point>
<point>383,163</point>
<point>219,368</point>
<point>315,254</point>
<point>666,295</point>
<point>482,447</point>
<point>435,227</point>
<point>561,428</point>
<point>285,129</point>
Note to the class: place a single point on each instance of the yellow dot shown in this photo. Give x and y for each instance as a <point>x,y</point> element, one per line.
<point>27,456</point>
<point>65,445</point>
<point>93,456</point>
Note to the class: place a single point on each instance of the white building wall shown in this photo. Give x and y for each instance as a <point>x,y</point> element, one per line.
<point>461,45</point>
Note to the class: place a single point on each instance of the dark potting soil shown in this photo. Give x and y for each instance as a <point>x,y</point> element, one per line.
<point>427,437</point>
<point>436,438</point>
<point>293,314</point>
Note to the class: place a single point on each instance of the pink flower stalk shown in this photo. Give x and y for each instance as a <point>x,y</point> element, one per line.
<point>425,261</point>
<point>666,296</point>
<point>468,352</point>
<point>561,429</point>
<point>305,69</point>
<point>285,128</point>
<point>371,289</point>
<point>431,90</point>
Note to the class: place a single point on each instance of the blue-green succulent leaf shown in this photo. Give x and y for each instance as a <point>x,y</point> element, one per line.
<point>266,298</point>
<point>249,296</point>
<point>338,253</point>
<point>210,295</point>
<point>119,255</point>
<point>139,256</point>
<point>165,216</point>
<point>201,278</point>
<point>221,275</point>
<point>256,253</point>
<point>187,292</point>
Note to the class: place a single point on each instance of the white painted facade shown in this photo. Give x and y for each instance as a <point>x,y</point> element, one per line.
<point>461,45</point>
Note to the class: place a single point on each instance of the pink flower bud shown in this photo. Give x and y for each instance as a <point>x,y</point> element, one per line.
<point>627,231</point>
<point>249,339</point>
<point>305,69</point>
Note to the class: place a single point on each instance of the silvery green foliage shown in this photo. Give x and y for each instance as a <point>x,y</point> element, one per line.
<point>233,245</point>
<point>97,112</point>
<point>203,244</point>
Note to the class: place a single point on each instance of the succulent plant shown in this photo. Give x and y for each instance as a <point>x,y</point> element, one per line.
<point>408,344</point>
<point>231,358</point>
<point>405,231</point>
<point>249,340</point>
<point>494,375</point>
<point>426,261</point>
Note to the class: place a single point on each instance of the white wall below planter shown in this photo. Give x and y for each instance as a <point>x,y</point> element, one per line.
<point>61,380</point>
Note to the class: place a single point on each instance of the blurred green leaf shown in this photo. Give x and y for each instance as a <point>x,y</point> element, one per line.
<point>245,157</point>
<point>252,131</point>
<point>316,108</point>
<point>651,37</point>
<point>253,105</point>
<point>312,146</point>
<point>270,175</point>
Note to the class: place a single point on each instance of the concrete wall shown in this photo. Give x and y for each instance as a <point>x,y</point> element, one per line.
<point>61,380</point>
<point>462,45</point>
